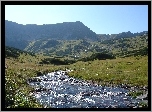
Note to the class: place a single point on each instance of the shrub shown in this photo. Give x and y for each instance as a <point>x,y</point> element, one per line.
<point>56,61</point>
<point>99,56</point>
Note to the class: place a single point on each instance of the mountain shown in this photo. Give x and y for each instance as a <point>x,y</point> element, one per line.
<point>120,35</point>
<point>18,35</point>
<point>72,39</point>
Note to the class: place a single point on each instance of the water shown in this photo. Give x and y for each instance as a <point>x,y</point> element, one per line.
<point>58,90</point>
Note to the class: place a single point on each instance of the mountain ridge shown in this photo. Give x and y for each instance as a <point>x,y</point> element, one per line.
<point>121,35</point>
<point>20,36</point>
<point>16,33</point>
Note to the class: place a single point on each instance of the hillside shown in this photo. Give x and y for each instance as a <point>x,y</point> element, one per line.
<point>123,46</point>
<point>15,53</point>
<point>81,48</point>
<point>71,48</point>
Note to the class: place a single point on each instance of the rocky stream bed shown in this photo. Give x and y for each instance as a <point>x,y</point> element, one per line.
<point>58,90</point>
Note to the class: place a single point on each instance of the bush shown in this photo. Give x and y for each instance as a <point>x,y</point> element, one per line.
<point>16,92</point>
<point>99,56</point>
<point>56,61</point>
<point>140,52</point>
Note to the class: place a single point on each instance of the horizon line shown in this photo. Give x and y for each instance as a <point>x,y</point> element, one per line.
<point>73,22</point>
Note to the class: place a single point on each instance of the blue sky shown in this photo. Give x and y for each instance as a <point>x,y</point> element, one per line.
<point>102,19</point>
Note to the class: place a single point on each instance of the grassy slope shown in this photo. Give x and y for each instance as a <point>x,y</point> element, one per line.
<point>82,48</point>
<point>130,70</point>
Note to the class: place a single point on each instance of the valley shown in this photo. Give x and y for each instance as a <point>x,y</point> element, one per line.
<point>116,61</point>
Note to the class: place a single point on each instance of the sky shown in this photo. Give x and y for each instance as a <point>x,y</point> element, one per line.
<point>101,19</point>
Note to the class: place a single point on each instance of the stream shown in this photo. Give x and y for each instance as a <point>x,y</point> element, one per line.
<point>58,90</point>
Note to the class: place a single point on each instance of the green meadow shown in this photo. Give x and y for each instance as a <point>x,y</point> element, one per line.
<point>132,71</point>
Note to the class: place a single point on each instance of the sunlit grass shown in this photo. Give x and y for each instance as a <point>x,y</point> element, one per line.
<point>130,70</point>
<point>121,70</point>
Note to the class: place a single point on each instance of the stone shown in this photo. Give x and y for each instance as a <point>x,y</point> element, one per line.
<point>39,74</point>
<point>62,78</point>
<point>6,67</point>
